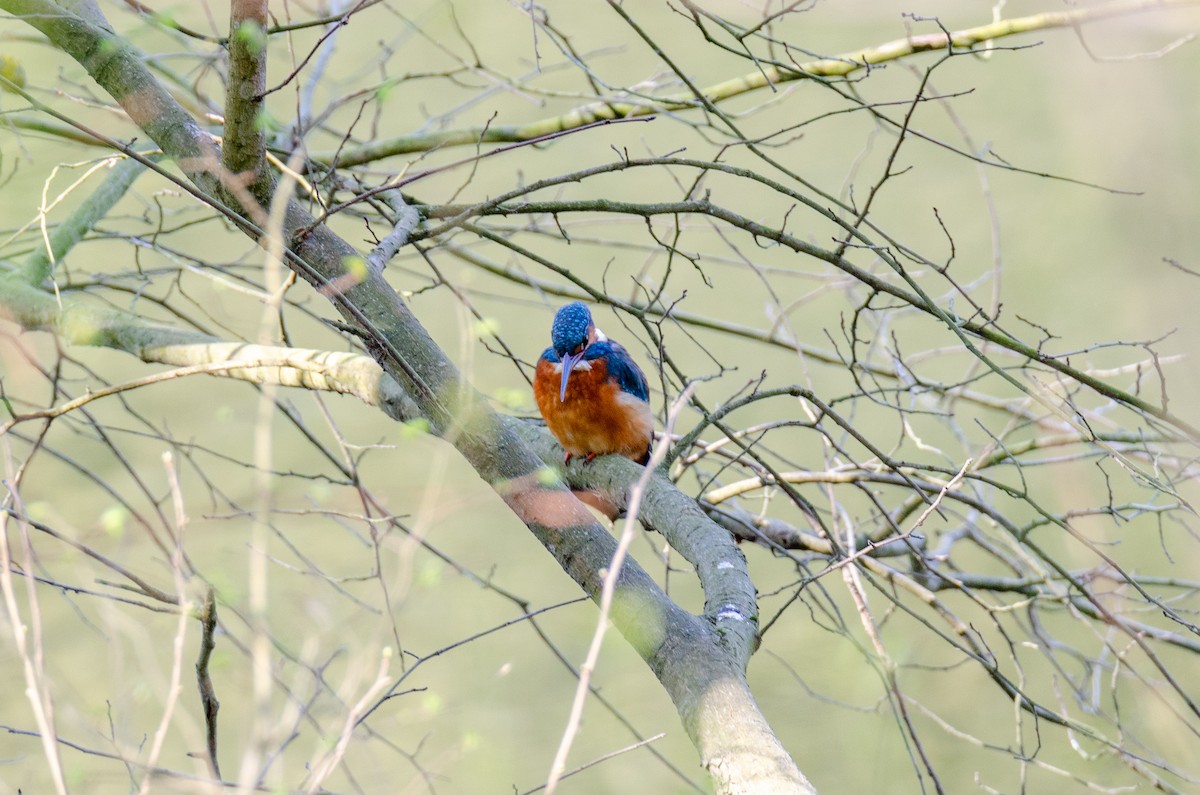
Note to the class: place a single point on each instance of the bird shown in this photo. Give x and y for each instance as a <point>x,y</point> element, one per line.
<point>591,392</point>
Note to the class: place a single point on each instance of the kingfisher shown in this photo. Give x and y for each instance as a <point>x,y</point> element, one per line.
<point>591,392</point>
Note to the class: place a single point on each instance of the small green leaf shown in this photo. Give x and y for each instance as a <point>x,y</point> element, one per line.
<point>414,428</point>
<point>431,704</point>
<point>355,266</point>
<point>251,36</point>
<point>13,73</point>
<point>114,520</point>
<point>429,574</point>
<point>38,511</point>
<point>384,91</point>
<point>487,326</point>
<point>547,477</point>
<point>266,122</point>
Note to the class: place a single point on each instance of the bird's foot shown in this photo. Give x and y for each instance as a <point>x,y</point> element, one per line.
<point>587,459</point>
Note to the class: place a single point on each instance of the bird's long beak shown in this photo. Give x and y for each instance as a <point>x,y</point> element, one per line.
<point>568,363</point>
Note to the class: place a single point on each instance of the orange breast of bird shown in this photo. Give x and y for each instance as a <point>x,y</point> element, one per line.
<point>597,417</point>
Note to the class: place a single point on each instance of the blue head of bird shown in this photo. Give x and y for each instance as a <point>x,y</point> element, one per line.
<point>571,333</point>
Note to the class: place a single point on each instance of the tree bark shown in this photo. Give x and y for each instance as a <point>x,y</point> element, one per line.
<point>700,660</point>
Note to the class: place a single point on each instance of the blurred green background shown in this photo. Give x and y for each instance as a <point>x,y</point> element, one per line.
<point>1085,262</point>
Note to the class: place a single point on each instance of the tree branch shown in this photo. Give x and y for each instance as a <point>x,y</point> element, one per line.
<point>768,76</point>
<point>690,656</point>
<point>245,142</point>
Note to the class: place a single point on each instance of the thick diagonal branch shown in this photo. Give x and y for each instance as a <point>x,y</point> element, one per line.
<point>703,674</point>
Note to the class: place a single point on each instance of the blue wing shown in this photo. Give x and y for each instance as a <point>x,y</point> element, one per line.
<point>621,367</point>
<point>550,356</point>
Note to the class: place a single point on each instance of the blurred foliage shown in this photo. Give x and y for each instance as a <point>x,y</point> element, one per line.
<point>1063,561</point>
